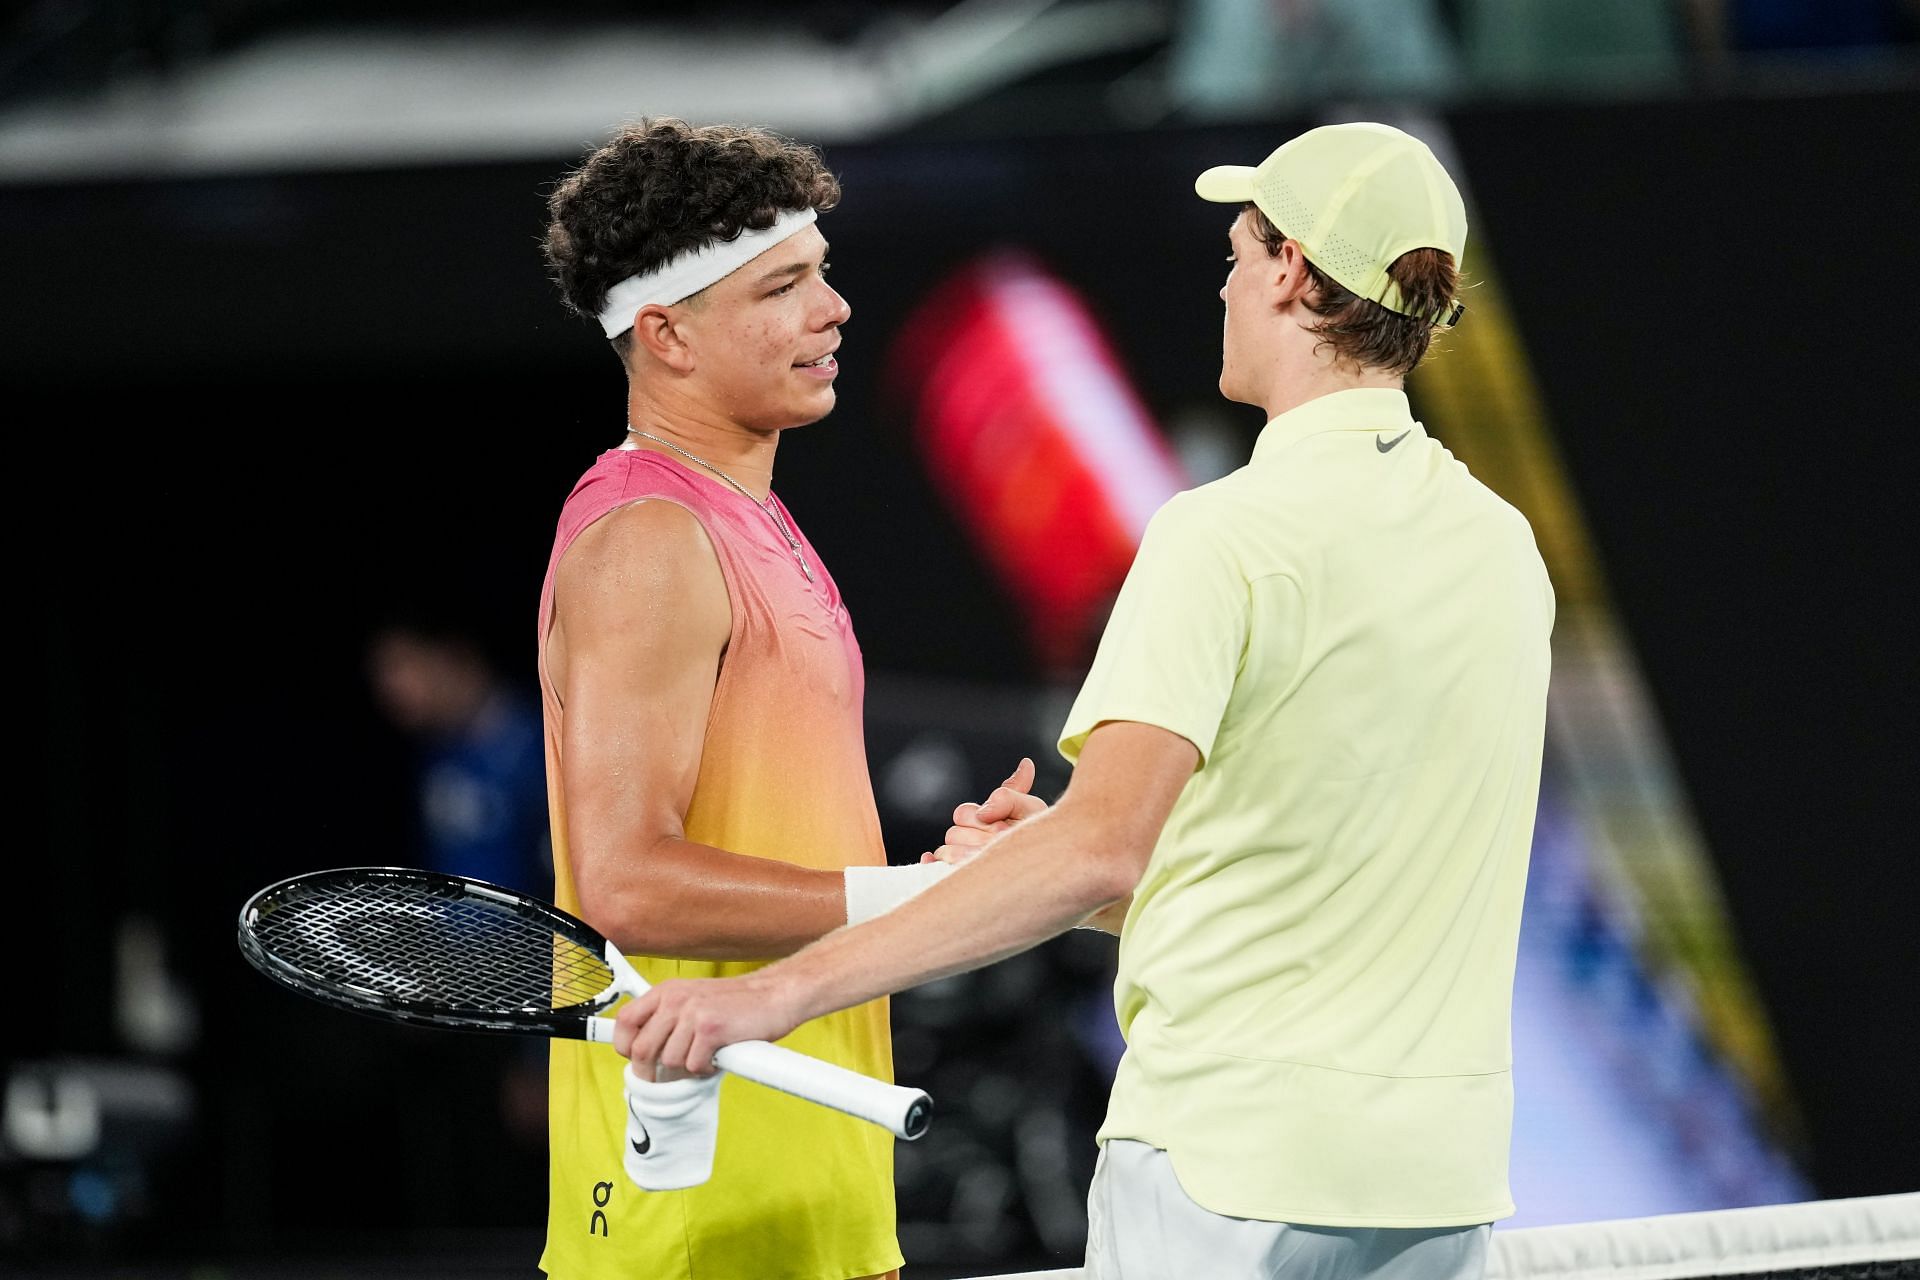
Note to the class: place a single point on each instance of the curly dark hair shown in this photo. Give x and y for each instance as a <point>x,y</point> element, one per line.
<point>662,187</point>
<point>1362,331</point>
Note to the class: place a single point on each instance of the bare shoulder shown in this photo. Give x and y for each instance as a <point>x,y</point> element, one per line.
<point>646,563</point>
<point>654,542</point>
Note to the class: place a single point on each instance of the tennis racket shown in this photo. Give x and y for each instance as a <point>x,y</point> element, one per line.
<point>446,951</point>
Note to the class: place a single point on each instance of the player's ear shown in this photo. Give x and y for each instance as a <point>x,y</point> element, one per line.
<point>1288,274</point>
<point>656,333</point>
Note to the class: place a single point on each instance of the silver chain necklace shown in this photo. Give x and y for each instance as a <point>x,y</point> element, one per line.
<point>772,511</point>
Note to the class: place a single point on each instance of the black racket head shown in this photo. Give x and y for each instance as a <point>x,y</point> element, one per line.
<point>429,949</point>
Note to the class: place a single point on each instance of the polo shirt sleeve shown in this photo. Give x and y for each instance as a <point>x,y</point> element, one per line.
<point>1175,639</point>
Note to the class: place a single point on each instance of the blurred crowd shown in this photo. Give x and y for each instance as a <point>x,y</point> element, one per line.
<point>1234,56</point>
<point>1150,60</point>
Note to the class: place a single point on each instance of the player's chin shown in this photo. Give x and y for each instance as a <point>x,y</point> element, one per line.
<point>815,406</point>
<point>1230,389</point>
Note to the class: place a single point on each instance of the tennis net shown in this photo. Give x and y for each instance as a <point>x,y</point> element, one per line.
<point>1868,1238</point>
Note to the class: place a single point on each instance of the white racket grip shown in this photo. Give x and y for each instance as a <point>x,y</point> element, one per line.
<point>902,1111</point>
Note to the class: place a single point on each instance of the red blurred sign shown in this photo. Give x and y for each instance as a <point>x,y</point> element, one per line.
<point>1038,441</point>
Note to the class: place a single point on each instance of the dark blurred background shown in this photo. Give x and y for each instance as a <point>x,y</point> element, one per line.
<point>286,381</point>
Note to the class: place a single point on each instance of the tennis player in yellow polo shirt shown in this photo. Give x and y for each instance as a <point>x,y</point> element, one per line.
<point>1307,758</point>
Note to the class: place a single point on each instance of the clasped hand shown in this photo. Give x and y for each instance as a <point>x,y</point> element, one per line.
<point>680,1024</point>
<point>975,826</point>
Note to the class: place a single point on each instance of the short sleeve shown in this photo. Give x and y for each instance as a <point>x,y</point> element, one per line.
<point>1176,637</point>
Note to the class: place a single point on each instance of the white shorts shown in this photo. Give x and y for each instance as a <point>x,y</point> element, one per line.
<point>1142,1226</point>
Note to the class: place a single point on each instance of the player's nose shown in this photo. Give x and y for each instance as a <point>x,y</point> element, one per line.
<point>838,312</point>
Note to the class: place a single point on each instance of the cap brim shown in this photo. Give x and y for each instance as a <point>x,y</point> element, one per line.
<point>1225,184</point>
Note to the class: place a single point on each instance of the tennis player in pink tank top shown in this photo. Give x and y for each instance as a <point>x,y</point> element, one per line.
<point>707,776</point>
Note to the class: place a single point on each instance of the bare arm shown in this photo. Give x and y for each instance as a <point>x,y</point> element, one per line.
<point>641,620</point>
<point>1109,918</point>
<point>1050,873</point>
<point>977,825</point>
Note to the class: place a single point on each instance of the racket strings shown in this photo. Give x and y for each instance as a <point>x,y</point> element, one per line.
<point>429,945</point>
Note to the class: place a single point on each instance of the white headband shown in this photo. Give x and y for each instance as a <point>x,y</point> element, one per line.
<point>691,272</point>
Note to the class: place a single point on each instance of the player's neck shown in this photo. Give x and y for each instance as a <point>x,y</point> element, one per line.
<point>743,453</point>
<point>1309,375</point>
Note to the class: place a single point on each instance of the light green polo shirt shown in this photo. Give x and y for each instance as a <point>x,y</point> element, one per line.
<point>1316,975</point>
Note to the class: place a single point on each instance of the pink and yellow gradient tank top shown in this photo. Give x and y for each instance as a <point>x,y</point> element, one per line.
<point>797,1191</point>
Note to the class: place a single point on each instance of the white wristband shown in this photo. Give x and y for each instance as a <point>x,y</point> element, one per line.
<point>874,891</point>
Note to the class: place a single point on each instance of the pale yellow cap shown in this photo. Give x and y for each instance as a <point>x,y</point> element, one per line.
<point>1356,197</point>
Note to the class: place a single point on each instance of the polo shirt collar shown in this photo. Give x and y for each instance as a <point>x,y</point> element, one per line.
<point>1379,409</point>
